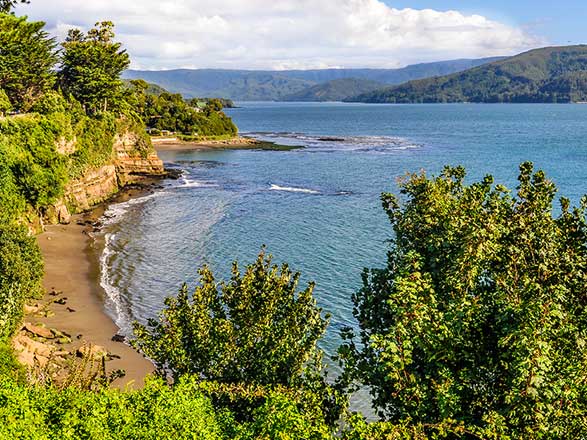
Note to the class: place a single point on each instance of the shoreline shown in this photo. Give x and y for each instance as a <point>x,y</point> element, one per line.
<point>74,296</point>
<point>236,143</point>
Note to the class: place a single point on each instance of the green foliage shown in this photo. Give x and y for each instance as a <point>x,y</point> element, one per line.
<point>91,68</point>
<point>280,418</point>
<point>550,75</point>
<point>171,112</point>
<point>156,412</point>
<point>27,59</point>
<point>7,5</point>
<point>253,329</point>
<point>479,316</point>
<point>21,271</point>
<point>245,337</point>
<point>30,165</point>
<point>5,104</point>
<point>51,102</point>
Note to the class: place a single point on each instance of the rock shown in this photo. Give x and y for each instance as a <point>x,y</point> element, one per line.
<point>61,301</point>
<point>61,353</point>
<point>31,309</point>
<point>118,338</point>
<point>63,215</point>
<point>42,361</point>
<point>93,351</point>
<point>23,343</point>
<point>38,331</point>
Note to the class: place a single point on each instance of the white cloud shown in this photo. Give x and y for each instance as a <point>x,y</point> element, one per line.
<point>277,34</point>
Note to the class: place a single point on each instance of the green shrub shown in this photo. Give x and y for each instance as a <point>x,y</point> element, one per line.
<point>479,315</point>
<point>50,102</point>
<point>5,105</point>
<point>21,273</point>
<point>155,412</point>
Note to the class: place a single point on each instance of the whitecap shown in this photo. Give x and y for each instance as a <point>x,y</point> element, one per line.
<point>293,189</point>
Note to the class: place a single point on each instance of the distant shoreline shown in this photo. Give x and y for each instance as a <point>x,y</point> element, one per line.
<point>173,143</point>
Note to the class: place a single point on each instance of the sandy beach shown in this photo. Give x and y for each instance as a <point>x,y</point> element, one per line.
<point>72,273</point>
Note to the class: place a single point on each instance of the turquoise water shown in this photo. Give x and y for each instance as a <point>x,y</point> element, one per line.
<point>318,208</point>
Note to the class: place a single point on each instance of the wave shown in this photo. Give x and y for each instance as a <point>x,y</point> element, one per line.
<point>293,189</point>
<point>111,217</point>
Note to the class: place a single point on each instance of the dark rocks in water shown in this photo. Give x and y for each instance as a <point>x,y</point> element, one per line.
<point>173,173</point>
<point>118,338</point>
<point>330,139</point>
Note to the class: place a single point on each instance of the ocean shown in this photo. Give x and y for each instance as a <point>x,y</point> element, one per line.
<point>318,208</point>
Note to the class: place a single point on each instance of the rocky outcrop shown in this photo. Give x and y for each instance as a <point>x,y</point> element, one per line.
<point>95,187</point>
<point>131,162</point>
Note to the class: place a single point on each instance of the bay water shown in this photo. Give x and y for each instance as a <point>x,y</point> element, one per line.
<point>318,208</point>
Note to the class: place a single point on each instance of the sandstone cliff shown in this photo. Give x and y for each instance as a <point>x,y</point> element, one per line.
<point>130,164</point>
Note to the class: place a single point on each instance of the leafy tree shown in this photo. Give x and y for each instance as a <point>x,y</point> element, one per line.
<point>27,60</point>
<point>167,111</point>
<point>252,329</point>
<point>480,315</point>
<point>91,67</point>
<point>7,5</point>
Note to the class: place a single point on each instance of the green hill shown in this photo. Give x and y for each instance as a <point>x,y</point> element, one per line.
<point>267,85</point>
<point>547,75</point>
<point>336,90</point>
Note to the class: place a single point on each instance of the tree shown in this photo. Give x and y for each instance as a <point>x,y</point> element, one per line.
<point>480,316</point>
<point>91,67</point>
<point>253,329</point>
<point>27,60</point>
<point>7,5</point>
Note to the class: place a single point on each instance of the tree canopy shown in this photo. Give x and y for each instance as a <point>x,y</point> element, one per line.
<point>255,328</point>
<point>480,315</point>
<point>27,60</point>
<point>91,67</point>
<point>7,5</point>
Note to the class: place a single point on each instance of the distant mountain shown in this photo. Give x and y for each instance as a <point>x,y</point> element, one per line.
<point>551,74</point>
<point>258,85</point>
<point>336,90</point>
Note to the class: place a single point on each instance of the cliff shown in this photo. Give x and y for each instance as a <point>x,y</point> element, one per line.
<point>130,164</point>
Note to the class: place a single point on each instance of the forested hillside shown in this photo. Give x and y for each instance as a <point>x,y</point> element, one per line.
<point>267,85</point>
<point>548,75</point>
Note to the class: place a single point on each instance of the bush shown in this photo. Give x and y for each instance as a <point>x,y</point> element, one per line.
<point>5,105</point>
<point>21,273</point>
<point>254,329</point>
<point>155,412</point>
<point>50,102</point>
<point>479,316</point>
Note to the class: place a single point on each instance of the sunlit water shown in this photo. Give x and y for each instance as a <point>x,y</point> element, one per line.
<point>318,208</point>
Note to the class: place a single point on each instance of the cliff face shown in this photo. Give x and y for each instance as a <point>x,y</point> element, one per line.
<point>129,165</point>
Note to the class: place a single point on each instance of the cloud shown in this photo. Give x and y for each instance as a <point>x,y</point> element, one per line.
<point>279,34</point>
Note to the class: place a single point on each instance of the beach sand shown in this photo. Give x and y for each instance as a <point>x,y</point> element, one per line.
<point>72,267</point>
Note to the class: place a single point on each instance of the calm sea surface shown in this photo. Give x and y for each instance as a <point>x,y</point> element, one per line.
<point>318,208</point>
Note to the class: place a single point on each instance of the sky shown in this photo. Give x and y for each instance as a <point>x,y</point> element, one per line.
<point>305,34</point>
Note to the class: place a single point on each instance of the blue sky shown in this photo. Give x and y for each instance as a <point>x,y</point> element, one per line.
<point>310,34</point>
<point>560,22</point>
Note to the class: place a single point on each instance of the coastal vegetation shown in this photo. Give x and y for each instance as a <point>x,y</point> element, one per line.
<point>171,112</point>
<point>474,328</point>
<point>548,75</point>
